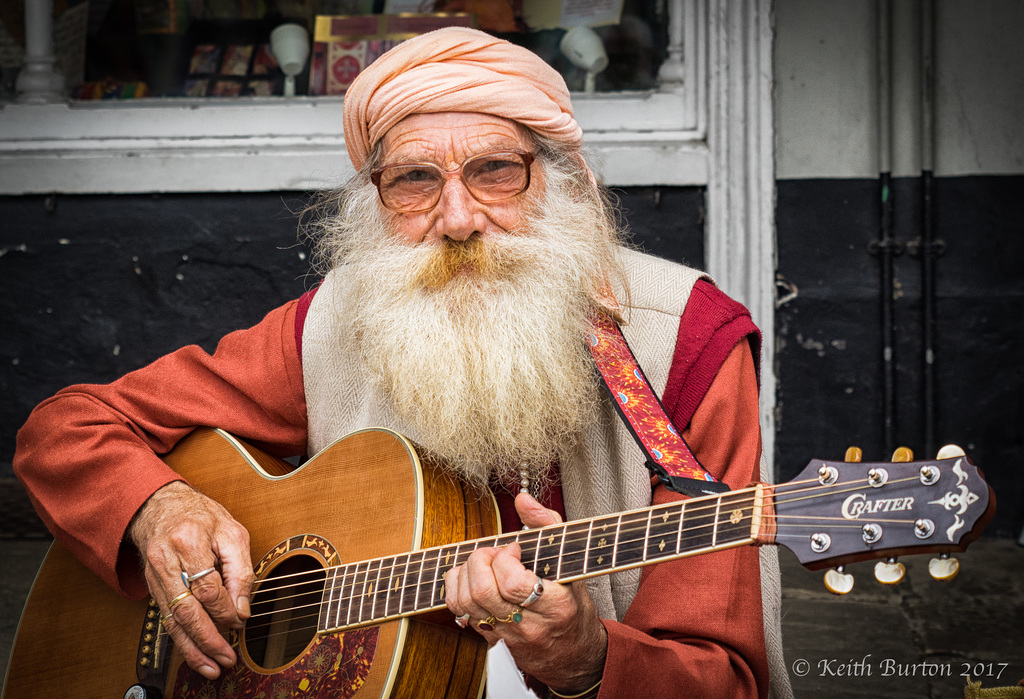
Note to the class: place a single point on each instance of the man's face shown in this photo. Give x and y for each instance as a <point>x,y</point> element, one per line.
<point>447,140</point>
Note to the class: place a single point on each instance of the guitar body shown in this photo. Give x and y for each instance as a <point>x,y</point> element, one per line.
<point>366,496</point>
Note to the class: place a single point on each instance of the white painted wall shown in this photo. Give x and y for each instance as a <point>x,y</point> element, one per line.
<point>826,88</point>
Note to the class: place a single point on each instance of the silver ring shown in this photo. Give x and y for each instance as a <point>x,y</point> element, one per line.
<point>462,620</point>
<point>189,579</point>
<point>538,590</point>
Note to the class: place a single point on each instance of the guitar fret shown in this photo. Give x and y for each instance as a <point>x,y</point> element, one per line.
<point>529,543</point>
<point>343,595</point>
<point>572,556</point>
<point>630,548</point>
<point>586,547</point>
<point>428,577</point>
<point>561,550</point>
<point>601,553</point>
<point>714,530</point>
<point>447,559</point>
<point>413,573</point>
<point>366,593</point>
<point>698,529</point>
<point>735,517</point>
<point>405,585</point>
<point>618,531</point>
<point>355,591</point>
<point>385,583</point>
<point>647,533</point>
<point>437,591</point>
<point>663,533</point>
<point>330,597</point>
<point>549,547</point>
<point>679,534</point>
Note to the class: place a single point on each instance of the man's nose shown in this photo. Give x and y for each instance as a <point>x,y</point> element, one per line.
<point>459,215</point>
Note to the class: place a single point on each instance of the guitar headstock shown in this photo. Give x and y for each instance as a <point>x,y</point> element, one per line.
<point>835,513</point>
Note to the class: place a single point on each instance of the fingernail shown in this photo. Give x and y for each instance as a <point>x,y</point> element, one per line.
<point>225,661</point>
<point>243,607</point>
<point>210,673</point>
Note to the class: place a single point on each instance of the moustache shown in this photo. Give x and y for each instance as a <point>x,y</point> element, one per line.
<point>454,258</point>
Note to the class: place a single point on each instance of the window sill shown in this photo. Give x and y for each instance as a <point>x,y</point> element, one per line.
<point>268,144</point>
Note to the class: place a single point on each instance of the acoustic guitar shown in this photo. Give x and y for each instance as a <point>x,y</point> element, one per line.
<point>350,551</point>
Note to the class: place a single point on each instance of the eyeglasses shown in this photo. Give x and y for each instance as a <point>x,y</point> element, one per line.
<point>489,177</point>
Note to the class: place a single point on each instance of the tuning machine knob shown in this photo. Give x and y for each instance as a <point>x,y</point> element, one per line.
<point>943,568</point>
<point>838,582</point>
<point>950,451</point>
<point>890,572</point>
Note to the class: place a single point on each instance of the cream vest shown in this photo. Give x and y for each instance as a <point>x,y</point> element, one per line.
<point>606,475</point>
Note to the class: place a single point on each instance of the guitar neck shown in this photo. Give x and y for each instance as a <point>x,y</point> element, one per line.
<point>369,592</point>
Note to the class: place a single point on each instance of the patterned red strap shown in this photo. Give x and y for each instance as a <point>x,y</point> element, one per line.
<point>668,455</point>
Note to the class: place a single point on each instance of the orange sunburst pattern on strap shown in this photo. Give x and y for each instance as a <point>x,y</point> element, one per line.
<point>638,404</point>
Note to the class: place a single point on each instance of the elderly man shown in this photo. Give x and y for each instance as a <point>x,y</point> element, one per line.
<point>464,264</point>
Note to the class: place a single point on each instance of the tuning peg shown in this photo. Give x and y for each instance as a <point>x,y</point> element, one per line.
<point>950,451</point>
<point>853,455</point>
<point>890,572</point>
<point>837,582</point>
<point>902,455</point>
<point>943,568</point>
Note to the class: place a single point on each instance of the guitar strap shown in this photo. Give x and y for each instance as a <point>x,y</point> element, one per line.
<point>669,458</point>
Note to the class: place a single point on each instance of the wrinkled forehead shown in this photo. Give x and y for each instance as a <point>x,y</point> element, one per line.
<point>450,137</point>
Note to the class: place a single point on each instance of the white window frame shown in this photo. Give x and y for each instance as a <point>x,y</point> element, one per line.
<point>709,124</point>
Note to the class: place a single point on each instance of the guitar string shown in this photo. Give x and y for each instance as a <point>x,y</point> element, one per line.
<point>651,513</point>
<point>691,510</point>
<point>391,569</point>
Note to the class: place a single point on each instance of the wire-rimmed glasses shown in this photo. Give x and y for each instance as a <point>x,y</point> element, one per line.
<point>489,177</point>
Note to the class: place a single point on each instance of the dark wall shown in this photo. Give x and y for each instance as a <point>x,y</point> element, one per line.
<point>92,287</point>
<point>829,335</point>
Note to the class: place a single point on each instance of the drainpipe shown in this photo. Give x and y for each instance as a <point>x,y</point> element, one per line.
<point>930,248</point>
<point>886,245</point>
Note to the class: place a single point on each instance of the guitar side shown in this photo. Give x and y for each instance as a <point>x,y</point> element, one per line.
<point>367,495</point>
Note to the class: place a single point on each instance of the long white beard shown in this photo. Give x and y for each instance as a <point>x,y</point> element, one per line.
<point>486,361</point>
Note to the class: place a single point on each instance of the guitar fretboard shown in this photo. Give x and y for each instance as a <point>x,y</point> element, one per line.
<point>369,592</point>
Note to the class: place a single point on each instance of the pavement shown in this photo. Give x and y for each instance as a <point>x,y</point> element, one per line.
<point>918,639</point>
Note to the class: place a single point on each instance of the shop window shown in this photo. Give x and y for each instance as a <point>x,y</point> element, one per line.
<point>117,49</point>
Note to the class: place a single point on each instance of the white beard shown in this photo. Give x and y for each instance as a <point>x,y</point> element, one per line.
<point>486,362</point>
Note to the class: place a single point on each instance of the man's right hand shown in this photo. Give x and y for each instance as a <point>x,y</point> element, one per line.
<point>180,529</point>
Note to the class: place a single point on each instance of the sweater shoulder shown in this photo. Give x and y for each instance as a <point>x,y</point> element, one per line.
<point>657,284</point>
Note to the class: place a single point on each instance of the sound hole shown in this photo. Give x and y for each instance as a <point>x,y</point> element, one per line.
<point>285,610</point>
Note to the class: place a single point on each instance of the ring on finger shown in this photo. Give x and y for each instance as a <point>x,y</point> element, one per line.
<point>165,618</point>
<point>515,617</point>
<point>487,624</point>
<point>189,579</point>
<point>462,620</point>
<point>538,590</point>
<point>183,595</point>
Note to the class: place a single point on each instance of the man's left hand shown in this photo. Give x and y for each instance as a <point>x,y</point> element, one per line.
<point>560,640</point>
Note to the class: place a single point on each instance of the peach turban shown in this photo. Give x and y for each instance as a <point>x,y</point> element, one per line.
<point>456,70</point>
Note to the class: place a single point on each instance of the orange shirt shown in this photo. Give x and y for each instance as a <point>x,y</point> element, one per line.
<point>89,459</point>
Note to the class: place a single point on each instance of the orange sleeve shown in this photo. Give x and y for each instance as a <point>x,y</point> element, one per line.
<point>88,456</point>
<point>695,627</point>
